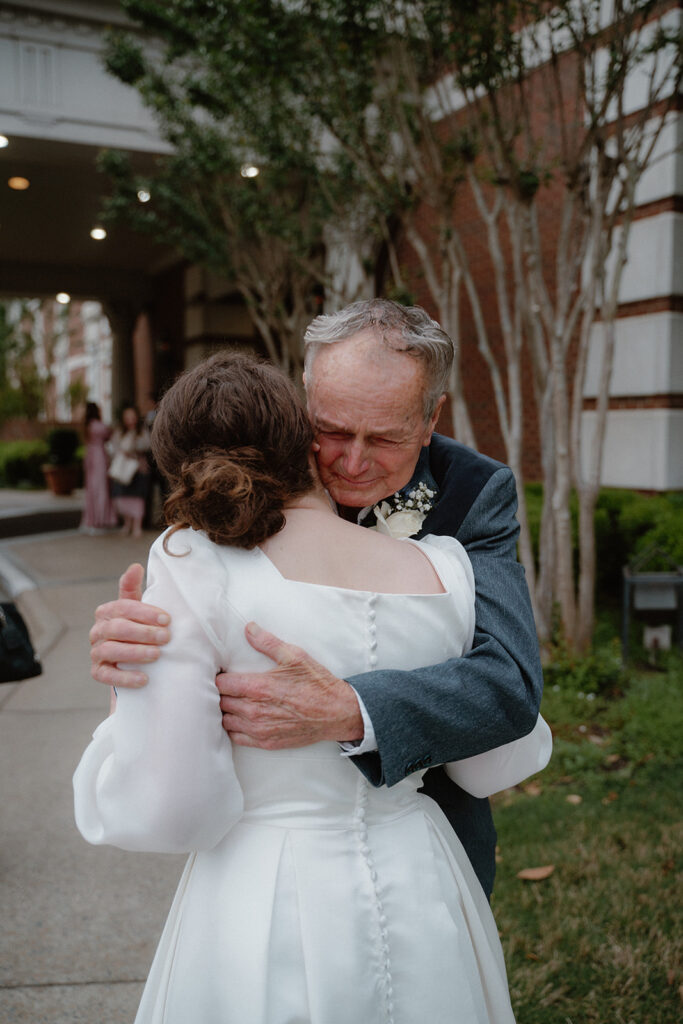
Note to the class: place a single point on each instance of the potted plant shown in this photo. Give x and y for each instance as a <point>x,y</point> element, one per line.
<point>62,471</point>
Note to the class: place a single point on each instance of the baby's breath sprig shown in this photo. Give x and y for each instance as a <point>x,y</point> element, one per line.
<point>420,499</point>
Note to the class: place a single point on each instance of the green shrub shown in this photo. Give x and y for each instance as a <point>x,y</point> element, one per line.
<point>598,674</point>
<point>626,525</point>
<point>20,463</point>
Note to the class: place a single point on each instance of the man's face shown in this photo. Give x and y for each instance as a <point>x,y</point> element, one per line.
<point>366,407</point>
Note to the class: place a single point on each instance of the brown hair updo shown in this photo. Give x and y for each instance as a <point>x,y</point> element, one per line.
<point>233,440</point>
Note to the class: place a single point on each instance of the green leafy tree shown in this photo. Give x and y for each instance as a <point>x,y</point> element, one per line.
<point>243,191</point>
<point>515,108</point>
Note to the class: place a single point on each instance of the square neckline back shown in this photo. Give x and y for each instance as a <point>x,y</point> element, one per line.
<point>362,593</point>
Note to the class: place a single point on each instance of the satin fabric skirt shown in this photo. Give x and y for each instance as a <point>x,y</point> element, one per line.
<point>354,905</point>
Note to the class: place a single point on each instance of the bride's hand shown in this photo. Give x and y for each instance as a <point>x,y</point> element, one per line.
<point>295,704</point>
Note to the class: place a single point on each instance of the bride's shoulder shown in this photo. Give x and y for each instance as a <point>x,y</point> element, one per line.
<point>449,558</point>
<point>188,552</point>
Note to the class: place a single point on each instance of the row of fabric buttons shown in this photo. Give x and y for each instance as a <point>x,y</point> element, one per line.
<point>363,842</point>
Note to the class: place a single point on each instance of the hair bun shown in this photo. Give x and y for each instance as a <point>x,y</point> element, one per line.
<point>233,439</point>
<point>229,496</point>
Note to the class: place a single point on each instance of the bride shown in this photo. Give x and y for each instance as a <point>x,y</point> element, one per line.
<point>309,897</point>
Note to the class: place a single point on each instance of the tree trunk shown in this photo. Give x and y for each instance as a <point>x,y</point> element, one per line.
<point>587,565</point>
<point>564,570</point>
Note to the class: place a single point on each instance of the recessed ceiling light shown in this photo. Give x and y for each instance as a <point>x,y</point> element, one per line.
<point>63,298</point>
<point>249,171</point>
<point>98,234</point>
<point>4,141</point>
<point>19,184</point>
<point>144,196</point>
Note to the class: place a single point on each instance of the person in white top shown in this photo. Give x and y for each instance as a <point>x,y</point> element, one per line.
<point>309,895</point>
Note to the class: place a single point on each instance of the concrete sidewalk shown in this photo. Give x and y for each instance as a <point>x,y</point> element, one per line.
<point>79,923</point>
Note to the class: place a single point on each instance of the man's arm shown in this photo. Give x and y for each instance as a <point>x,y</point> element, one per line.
<point>490,696</point>
<point>428,716</point>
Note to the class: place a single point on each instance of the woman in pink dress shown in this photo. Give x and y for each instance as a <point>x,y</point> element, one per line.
<point>98,510</point>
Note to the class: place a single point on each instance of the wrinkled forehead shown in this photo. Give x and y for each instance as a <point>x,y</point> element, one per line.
<point>362,357</point>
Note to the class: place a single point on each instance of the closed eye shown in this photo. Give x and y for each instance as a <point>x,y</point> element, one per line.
<point>385,442</point>
<point>334,435</point>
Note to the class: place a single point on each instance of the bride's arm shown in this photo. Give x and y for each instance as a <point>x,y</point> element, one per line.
<point>508,765</point>
<point>158,774</point>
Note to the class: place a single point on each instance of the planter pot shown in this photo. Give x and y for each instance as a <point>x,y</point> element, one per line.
<point>62,479</point>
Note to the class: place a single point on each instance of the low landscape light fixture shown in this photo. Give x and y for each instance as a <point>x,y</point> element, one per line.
<point>654,596</point>
<point>144,196</point>
<point>98,234</point>
<point>4,141</point>
<point>249,171</point>
<point>19,184</point>
<point>63,298</point>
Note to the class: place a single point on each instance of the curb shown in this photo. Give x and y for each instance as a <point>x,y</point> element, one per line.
<point>23,524</point>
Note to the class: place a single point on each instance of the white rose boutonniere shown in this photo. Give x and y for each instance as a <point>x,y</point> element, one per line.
<point>403,515</point>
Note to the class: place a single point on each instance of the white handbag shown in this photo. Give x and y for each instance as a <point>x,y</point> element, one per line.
<point>123,468</point>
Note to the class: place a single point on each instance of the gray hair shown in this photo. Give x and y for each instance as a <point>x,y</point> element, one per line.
<point>406,329</point>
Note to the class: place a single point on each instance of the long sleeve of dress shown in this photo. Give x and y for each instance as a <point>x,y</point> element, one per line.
<point>485,774</point>
<point>158,774</point>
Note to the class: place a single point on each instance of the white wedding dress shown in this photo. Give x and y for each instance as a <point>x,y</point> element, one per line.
<point>309,897</point>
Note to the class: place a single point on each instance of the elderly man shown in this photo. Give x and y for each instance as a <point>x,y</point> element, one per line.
<point>376,376</point>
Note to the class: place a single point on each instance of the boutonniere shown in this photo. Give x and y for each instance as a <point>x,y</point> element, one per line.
<point>403,514</point>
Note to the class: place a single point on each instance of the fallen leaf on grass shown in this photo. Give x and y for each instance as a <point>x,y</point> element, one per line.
<point>574,798</point>
<point>533,789</point>
<point>536,874</point>
<point>610,798</point>
<point>612,758</point>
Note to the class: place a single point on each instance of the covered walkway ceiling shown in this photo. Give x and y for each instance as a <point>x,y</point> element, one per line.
<point>58,108</point>
<point>45,243</point>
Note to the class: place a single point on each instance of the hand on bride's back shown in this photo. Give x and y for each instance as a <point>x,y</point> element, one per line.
<point>296,703</point>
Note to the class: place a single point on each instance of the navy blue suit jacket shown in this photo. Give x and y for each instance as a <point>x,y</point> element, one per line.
<point>486,698</point>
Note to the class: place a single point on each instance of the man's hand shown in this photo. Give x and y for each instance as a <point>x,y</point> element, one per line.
<point>126,631</point>
<point>295,704</point>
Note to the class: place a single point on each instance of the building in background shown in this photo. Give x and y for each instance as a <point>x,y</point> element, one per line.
<point>58,107</point>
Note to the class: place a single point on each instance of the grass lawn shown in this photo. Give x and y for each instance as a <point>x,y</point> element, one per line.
<point>599,941</point>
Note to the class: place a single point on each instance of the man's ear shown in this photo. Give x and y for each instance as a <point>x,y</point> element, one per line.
<point>431,426</point>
